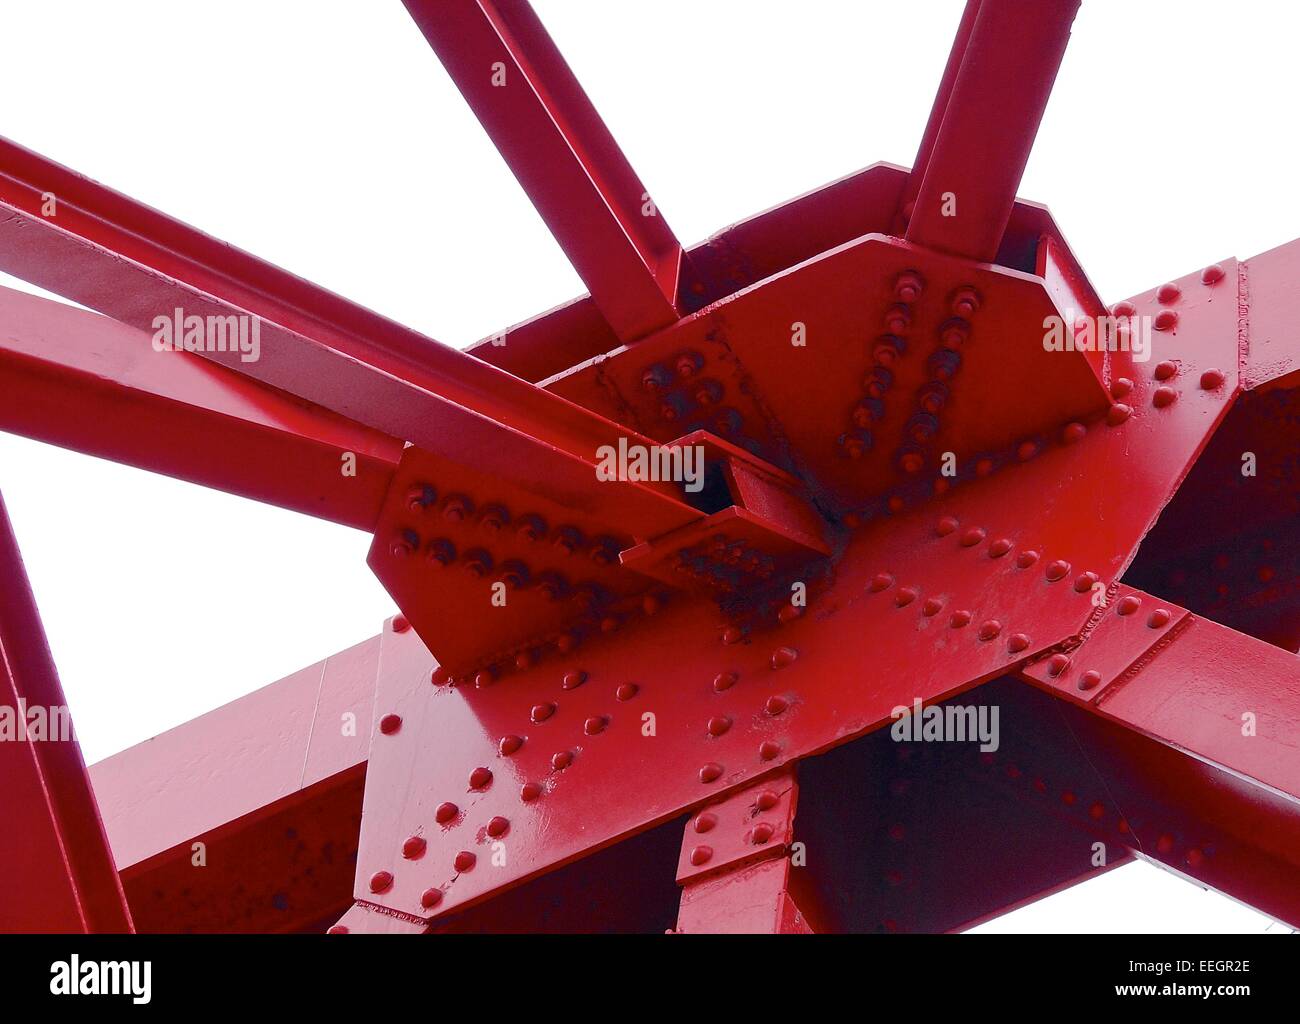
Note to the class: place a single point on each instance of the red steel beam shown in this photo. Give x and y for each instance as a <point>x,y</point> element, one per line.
<point>983,122</point>
<point>269,788</point>
<point>518,84</point>
<point>55,860</point>
<point>96,386</point>
<point>128,261</point>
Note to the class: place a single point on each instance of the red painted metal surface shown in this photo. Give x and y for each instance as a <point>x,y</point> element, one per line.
<point>60,874</point>
<point>97,386</point>
<point>984,121</point>
<point>541,121</point>
<point>908,497</point>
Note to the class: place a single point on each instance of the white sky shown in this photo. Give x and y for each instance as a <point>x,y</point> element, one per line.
<point>324,136</point>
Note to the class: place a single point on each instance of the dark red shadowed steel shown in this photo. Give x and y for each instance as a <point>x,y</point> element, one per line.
<point>907,498</point>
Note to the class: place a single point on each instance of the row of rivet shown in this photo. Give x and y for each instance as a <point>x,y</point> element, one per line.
<point>942,365</point>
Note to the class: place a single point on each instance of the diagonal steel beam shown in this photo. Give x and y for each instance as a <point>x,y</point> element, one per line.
<point>982,126</point>
<point>55,860</point>
<point>518,84</point>
<point>105,251</point>
<point>97,386</point>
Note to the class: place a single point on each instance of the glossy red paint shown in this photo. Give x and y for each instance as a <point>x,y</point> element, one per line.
<point>908,496</point>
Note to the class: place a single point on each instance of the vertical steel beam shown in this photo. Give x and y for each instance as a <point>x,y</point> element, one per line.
<point>734,866</point>
<point>54,857</point>
<point>526,97</point>
<point>982,126</point>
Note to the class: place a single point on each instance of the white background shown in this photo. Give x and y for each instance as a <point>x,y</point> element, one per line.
<point>325,137</point>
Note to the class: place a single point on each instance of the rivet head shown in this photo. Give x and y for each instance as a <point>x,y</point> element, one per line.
<point>788,613</point>
<point>1159,618</point>
<point>767,750</point>
<point>1166,320</point>
<point>430,898</point>
<point>711,772</point>
<point>881,581</point>
<point>413,847</point>
<point>1120,387</point>
<point>541,712</point>
<point>1089,679</point>
<point>767,800</point>
<point>761,834</point>
<point>1168,293</point>
<point>724,681</point>
<point>595,724</point>
<point>400,624</point>
<point>965,301</point>
<point>1164,396</point>
<point>480,778</point>
<point>1118,413</point>
<point>908,286</point>
<point>381,881</point>
<point>990,629</point>
<point>1084,583</point>
<point>508,745</point>
<point>732,635</point>
<point>573,679</point>
<point>1211,379</point>
<point>784,656</point>
<point>1074,433</point>
<point>483,679</point>
<point>718,725</point>
<point>1165,369</point>
<point>959,619</point>
<point>389,724</point>
<point>338,929</point>
<point>1026,558</point>
<point>775,705</point>
<point>999,547</point>
<point>465,860</point>
<point>905,596</point>
<point>440,676</point>
<point>1057,570</point>
<point>445,812</point>
<point>972,537</point>
<point>701,855</point>
<point>1026,450</point>
<point>933,606</point>
<point>945,526</point>
<point>1017,642</point>
<point>1128,604</point>
<point>1212,274</point>
<point>1057,664</point>
<point>705,822</point>
<point>561,760</point>
<point>1123,308</point>
<point>529,792</point>
<point>498,827</point>
<point>626,692</point>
